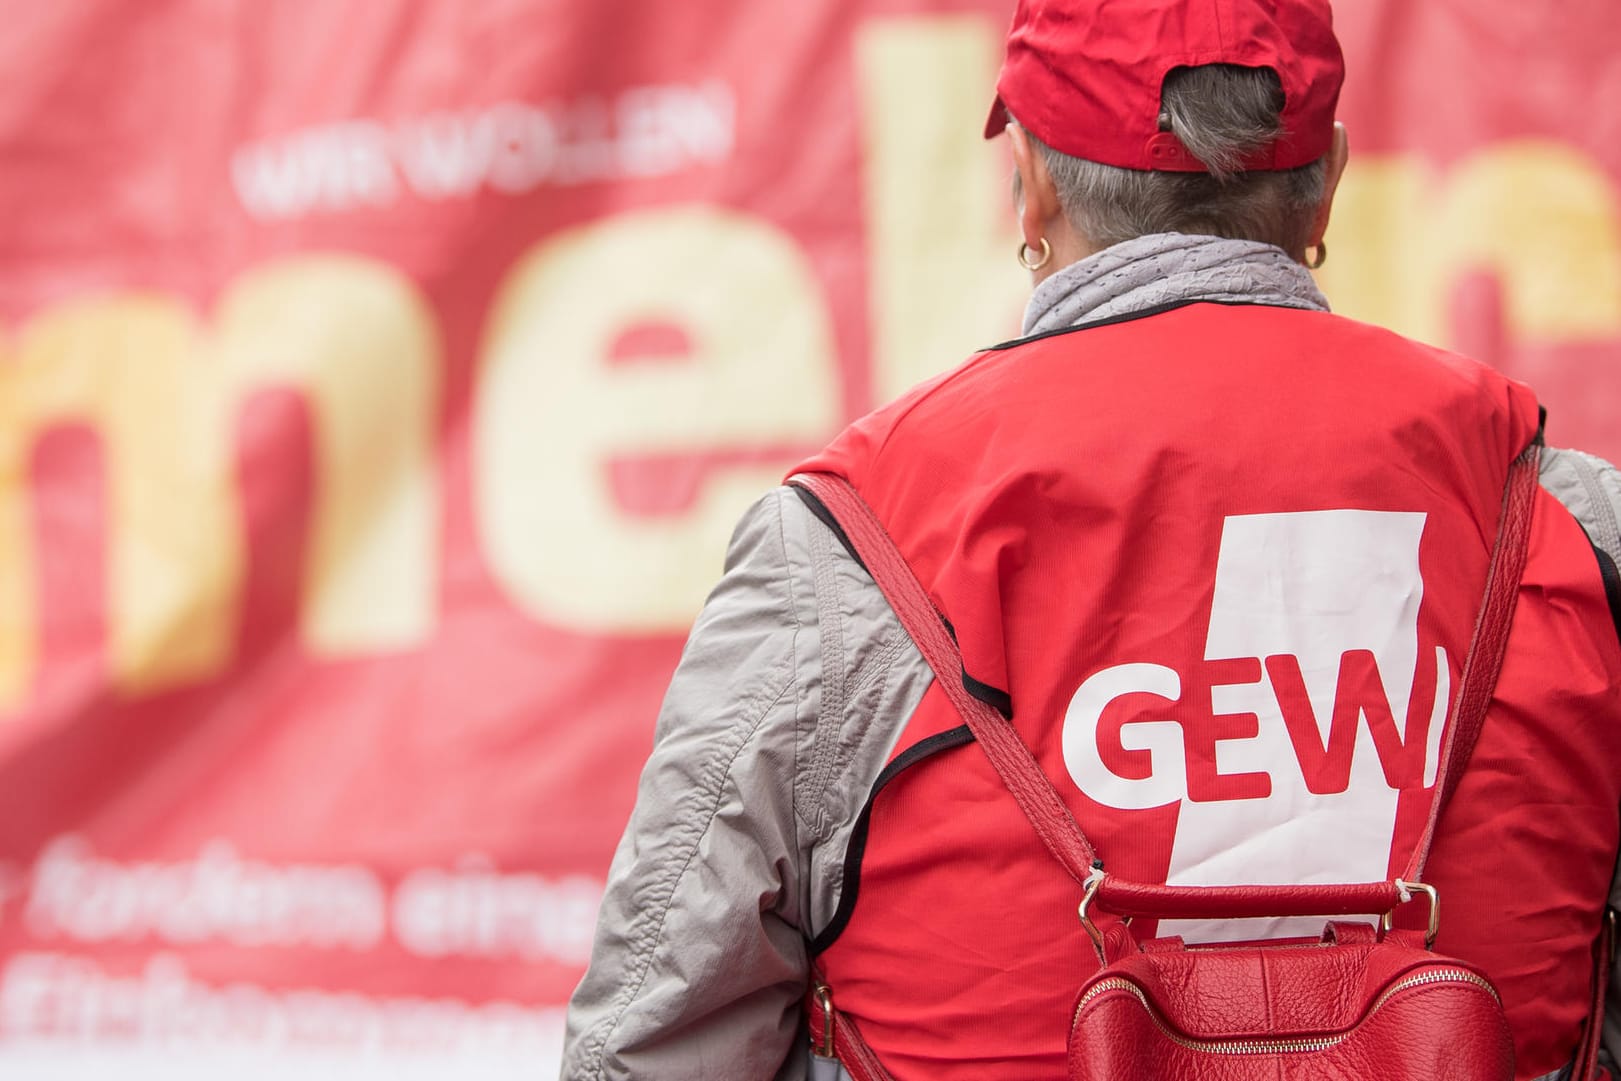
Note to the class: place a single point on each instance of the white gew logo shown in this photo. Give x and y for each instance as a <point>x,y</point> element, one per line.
<point>1288,746</point>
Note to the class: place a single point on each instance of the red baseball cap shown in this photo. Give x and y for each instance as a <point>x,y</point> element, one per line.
<point>1084,76</point>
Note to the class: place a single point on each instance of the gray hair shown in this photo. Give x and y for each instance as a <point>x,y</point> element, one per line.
<point>1222,113</point>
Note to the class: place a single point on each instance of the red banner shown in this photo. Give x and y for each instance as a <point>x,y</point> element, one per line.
<point>379,385</point>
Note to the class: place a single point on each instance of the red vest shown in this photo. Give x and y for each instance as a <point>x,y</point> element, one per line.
<point>1221,563</point>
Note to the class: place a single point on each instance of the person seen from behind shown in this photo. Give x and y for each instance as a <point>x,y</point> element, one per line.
<point>1217,557</point>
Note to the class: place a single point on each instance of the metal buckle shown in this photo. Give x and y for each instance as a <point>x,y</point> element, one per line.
<point>1092,931</point>
<point>824,999</point>
<point>1387,921</point>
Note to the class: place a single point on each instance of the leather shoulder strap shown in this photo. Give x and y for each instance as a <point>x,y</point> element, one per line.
<point>1011,758</point>
<point>1488,644</point>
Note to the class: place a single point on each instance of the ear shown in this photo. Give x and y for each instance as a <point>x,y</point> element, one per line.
<point>1038,204</point>
<point>1339,152</point>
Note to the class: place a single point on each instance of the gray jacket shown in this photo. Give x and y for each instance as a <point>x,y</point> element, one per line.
<point>794,687</point>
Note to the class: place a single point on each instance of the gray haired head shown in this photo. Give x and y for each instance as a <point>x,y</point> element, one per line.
<point>1223,114</point>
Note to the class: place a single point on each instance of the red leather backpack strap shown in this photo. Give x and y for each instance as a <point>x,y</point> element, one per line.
<point>1008,754</point>
<point>1586,1066</point>
<point>1489,642</point>
<point>835,1036</point>
<point>1126,898</point>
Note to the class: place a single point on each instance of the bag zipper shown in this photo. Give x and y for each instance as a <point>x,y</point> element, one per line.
<point>1253,1047</point>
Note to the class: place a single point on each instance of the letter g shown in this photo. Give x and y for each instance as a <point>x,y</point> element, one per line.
<point>1167,780</point>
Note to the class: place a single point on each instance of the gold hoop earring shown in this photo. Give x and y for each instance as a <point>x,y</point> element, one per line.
<point>1035,264</point>
<point>1315,261</point>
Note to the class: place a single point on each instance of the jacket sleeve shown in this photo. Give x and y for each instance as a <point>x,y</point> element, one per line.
<point>699,962</point>
<point>1590,488</point>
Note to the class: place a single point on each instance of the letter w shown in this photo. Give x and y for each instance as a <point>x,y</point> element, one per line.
<point>1358,693</point>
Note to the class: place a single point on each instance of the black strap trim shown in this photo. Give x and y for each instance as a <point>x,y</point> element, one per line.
<point>1612,585</point>
<point>933,745</point>
<point>1611,576</point>
<point>1130,317</point>
<point>994,697</point>
<point>816,507</point>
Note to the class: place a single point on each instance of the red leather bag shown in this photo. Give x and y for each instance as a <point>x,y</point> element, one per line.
<point>1356,1005</point>
<point>1361,1003</point>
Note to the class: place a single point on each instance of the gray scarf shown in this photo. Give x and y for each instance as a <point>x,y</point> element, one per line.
<point>1165,268</point>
